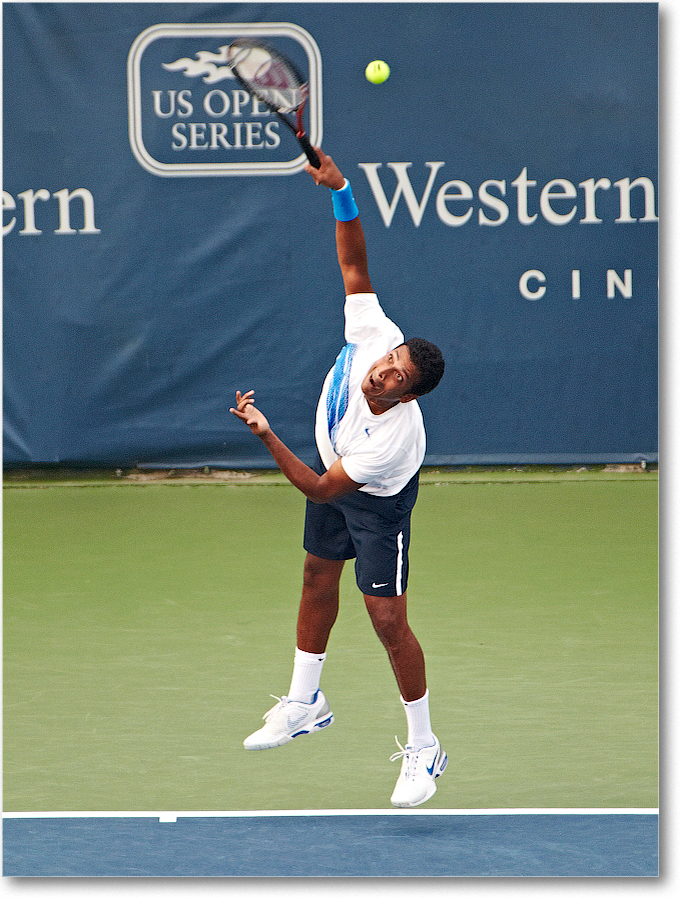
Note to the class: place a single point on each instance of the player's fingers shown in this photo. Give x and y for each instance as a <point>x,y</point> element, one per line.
<point>314,172</point>
<point>244,400</point>
<point>245,417</point>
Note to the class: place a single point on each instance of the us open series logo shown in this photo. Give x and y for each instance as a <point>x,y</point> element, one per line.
<point>188,116</point>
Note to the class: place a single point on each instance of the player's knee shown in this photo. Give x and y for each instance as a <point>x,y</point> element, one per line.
<point>321,575</point>
<point>389,621</point>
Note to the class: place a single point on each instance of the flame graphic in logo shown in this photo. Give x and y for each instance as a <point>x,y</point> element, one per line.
<point>213,66</point>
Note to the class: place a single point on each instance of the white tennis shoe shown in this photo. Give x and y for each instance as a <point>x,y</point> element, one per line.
<point>289,719</point>
<point>417,780</point>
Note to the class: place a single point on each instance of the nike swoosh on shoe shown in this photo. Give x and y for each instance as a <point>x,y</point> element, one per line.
<point>430,768</point>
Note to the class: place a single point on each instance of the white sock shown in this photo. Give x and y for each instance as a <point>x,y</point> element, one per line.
<point>419,732</point>
<point>305,680</point>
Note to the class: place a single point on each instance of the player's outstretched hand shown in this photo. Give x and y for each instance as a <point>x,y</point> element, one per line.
<point>248,413</point>
<point>328,174</point>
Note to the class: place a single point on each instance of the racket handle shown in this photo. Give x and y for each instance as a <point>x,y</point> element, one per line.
<point>309,152</point>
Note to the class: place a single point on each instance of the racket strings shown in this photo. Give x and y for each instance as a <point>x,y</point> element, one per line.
<point>271,78</point>
<point>269,74</point>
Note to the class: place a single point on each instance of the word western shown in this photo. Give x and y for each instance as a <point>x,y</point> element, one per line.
<point>556,202</point>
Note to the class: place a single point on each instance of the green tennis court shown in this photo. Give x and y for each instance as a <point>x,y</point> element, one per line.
<point>146,625</point>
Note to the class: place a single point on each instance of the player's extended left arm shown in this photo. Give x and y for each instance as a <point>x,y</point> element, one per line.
<point>318,488</point>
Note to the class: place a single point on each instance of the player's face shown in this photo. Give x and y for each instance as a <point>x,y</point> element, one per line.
<point>390,379</point>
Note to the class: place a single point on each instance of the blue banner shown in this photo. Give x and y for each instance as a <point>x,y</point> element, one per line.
<point>163,247</point>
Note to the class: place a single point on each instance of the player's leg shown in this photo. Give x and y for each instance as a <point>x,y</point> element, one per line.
<point>423,759</point>
<point>328,545</point>
<point>305,710</point>
<point>319,605</point>
<point>389,618</point>
<point>381,531</point>
<point>317,613</point>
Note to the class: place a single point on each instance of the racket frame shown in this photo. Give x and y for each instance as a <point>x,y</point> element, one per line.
<point>296,127</point>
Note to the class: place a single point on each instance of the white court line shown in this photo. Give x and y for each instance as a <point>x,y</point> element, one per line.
<point>170,816</point>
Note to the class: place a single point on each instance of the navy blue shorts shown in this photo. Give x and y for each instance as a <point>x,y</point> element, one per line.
<point>375,531</point>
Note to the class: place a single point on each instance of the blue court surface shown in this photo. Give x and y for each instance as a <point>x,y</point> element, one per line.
<point>431,843</point>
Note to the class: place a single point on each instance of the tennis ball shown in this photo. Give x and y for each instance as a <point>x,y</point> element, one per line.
<point>377,71</point>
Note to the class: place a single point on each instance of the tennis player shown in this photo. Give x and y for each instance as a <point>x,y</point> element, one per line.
<point>371,441</point>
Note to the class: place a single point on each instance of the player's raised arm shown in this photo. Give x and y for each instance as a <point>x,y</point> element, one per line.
<point>350,238</point>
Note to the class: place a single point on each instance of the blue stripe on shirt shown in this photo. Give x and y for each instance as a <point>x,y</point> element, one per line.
<point>337,396</point>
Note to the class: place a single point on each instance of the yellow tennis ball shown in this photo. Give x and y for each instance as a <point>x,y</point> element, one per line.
<point>377,71</point>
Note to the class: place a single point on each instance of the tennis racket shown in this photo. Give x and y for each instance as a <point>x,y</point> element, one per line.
<point>274,80</point>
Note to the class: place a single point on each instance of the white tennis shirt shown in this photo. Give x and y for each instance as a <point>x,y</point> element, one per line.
<point>380,452</point>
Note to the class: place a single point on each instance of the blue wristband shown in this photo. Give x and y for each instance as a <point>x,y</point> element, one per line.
<point>344,204</point>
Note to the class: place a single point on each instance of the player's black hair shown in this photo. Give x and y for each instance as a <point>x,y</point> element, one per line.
<point>429,362</point>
